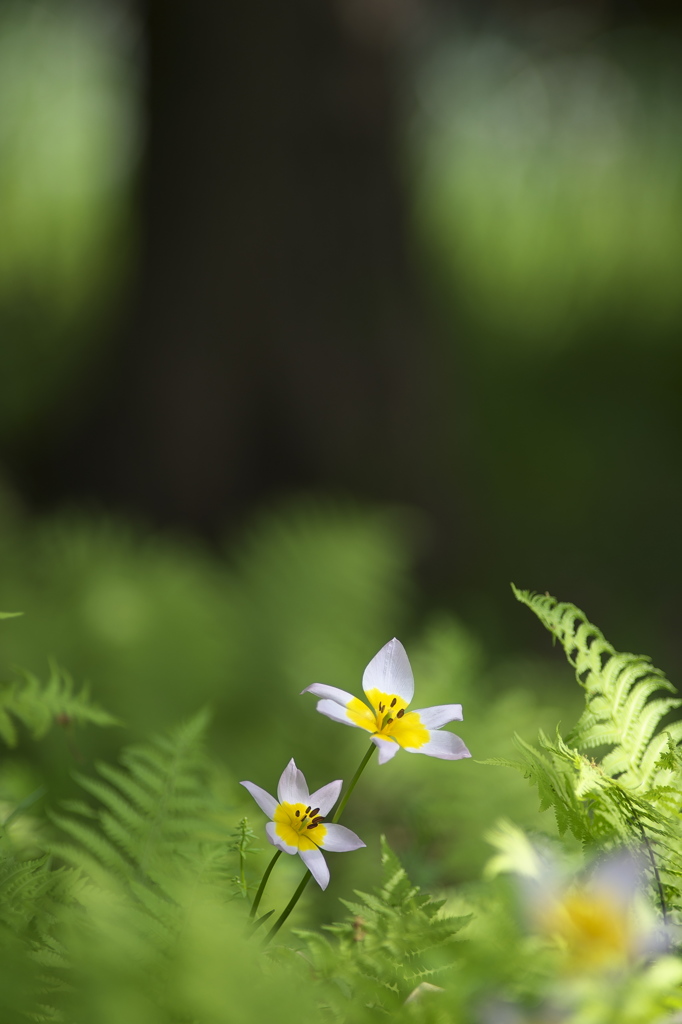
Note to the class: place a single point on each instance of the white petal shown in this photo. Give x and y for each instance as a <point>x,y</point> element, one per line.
<point>619,876</point>
<point>266,802</point>
<point>316,865</point>
<point>292,788</point>
<point>335,712</point>
<point>339,839</point>
<point>387,748</point>
<point>277,841</point>
<point>389,672</point>
<point>440,714</point>
<point>444,745</point>
<point>325,798</point>
<point>332,692</point>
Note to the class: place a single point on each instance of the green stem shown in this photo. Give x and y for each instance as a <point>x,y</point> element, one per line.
<point>654,865</point>
<point>289,907</point>
<point>353,781</point>
<point>263,882</point>
<point>306,878</point>
<point>242,871</point>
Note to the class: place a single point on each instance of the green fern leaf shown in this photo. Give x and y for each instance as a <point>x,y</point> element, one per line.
<point>620,712</point>
<point>633,794</point>
<point>39,706</point>
<point>154,813</point>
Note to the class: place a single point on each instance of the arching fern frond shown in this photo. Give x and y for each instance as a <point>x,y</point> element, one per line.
<point>633,794</point>
<point>621,709</point>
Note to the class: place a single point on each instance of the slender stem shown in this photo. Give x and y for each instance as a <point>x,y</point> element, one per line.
<point>289,907</point>
<point>263,882</point>
<point>654,865</point>
<point>306,878</point>
<point>242,857</point>
<point>242,870</point>
<point>353,781</point>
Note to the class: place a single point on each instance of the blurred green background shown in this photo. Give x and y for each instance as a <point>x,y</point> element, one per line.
<point>319,327</point>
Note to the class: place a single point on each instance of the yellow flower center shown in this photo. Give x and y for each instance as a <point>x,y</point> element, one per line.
<point>299,826</point>
<point>594,931</point>
<point>388,718</point>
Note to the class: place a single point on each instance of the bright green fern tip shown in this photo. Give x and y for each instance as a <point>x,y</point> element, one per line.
<point>624,701</point>
<point>617,777</point>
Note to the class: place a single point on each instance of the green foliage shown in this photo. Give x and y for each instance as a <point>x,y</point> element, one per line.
<point>154,814</point>
<point>39,706</point>
<point>632,795</point>
<point>164,626</point>
<point>394,941</point>
<point>161,626</point>
<point>562,239</point>
<point>67,130</point>
<point>136,908</point>
<point>619,711</point>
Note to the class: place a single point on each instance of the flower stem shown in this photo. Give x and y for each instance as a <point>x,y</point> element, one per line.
<point>289,907</point>
<point>306,878</point>
<point>353,781</point>
<point>263,882</point>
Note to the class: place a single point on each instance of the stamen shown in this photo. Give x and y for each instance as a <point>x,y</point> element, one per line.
<point>313,814</point>
<point>388,721</point>
<point>313,824</point>
<point>393,702</point>
<point>298,814</point>
<point>401,713</point>
<point>307,808</point>
<point>318,820</point>
<point>382,708</point>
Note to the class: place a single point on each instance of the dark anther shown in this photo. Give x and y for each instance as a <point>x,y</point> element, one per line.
<point>313,824</point>
<point>298,814</point>
<point>401,712</point>
<point>307,808</point>
<point>313,813</point>
<point>393,702</point>
<point>382,708</point>
<point>318,820</point>
<point>388,721</point>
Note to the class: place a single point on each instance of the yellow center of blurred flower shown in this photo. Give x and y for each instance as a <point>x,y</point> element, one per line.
<point>299,826</point>
<point>594,930</point>
<point>387,718</point>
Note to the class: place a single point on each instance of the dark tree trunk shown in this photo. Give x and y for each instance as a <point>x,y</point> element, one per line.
<point>275,341</point>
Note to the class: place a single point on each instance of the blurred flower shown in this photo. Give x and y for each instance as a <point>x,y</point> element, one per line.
<point>600,919</point>
<point>389,686</point>
<point>297,824</point>
<point>602,922</point>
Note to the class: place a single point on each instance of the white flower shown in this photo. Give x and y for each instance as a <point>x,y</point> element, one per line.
<point>389,686</point>
<point>600,919</point>
<point>297,821</point>
<point>601,922</point>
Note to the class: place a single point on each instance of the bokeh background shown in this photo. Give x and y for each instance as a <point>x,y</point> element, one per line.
<point>321,322</point>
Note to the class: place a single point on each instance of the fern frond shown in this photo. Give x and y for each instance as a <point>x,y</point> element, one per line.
<point>633,794</point>
<point>154,814</point>
<point>384,947</point>
<point>39,705</point>
<point>621,710</point>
